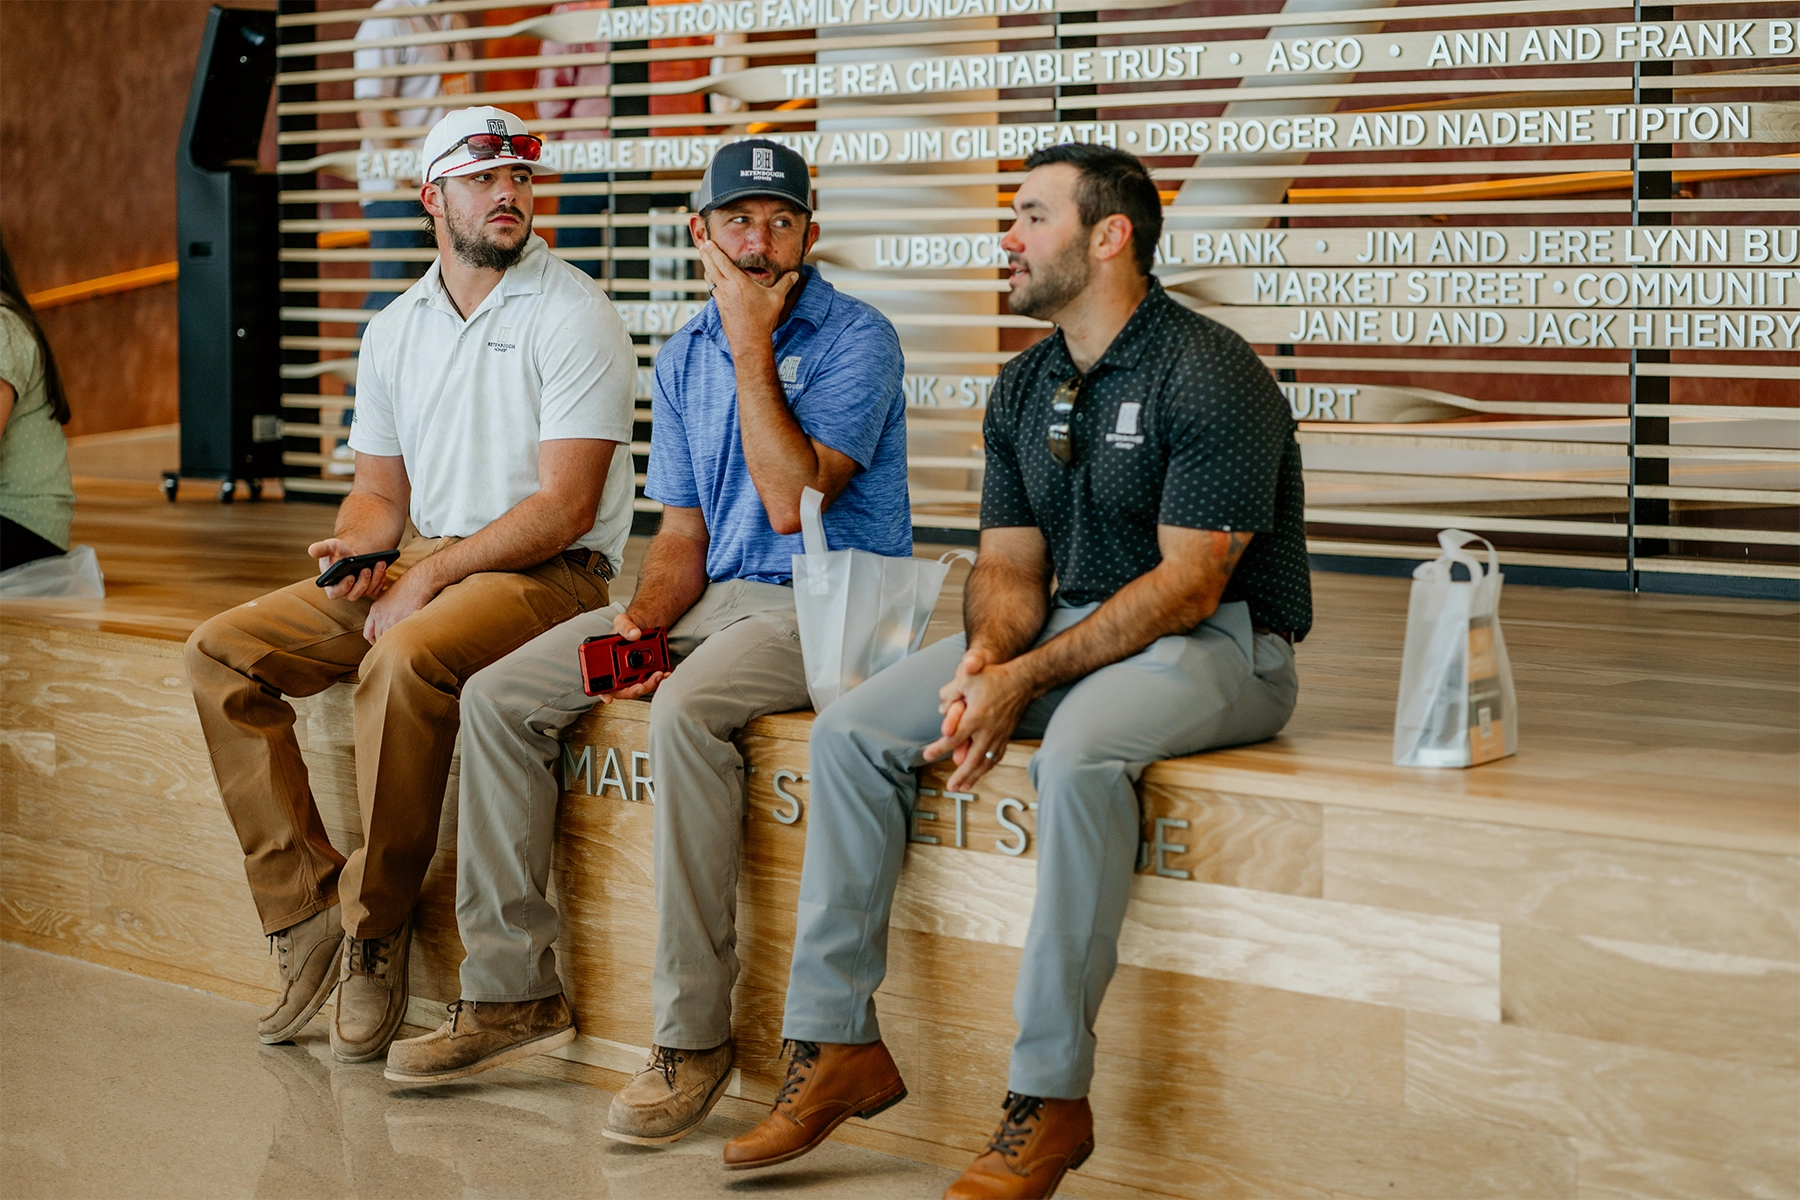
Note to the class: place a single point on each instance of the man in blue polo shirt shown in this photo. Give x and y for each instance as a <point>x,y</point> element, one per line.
<point>780,384</point>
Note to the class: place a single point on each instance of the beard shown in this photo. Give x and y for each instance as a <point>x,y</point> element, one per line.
<point>479,249</point>
<point>1055,282</point>
<point>762,262</point>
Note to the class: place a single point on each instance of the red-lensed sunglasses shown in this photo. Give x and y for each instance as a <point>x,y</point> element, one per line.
<point>527,146</point>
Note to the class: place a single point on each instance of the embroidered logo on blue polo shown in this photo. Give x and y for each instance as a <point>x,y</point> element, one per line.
<point>1125,433</point>
<point>790,368</point>
<point>502,341</point>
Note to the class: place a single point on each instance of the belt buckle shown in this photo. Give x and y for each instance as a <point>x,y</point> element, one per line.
<point>590,560</point>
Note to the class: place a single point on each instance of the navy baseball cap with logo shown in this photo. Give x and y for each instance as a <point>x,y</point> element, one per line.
<point>756,167</point>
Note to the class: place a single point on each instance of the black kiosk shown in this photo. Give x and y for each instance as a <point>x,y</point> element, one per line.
<point>228,288</point>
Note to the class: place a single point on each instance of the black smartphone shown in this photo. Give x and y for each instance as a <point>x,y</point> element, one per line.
<point>356,564</point>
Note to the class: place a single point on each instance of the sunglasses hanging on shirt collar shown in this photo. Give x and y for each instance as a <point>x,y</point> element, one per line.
<point>1062,413</point>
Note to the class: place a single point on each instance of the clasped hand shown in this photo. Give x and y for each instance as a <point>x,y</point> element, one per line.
<point>412,589</point>
<point>981,706</point>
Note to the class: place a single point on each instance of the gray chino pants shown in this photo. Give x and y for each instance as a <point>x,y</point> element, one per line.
<point>738,657</point>
<point>1219,685</point>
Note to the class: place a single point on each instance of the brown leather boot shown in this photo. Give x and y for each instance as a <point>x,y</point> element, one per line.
<point>1037,1142</point>
<point>826,1085</point>
<point>372,992</point>
<point>482,1035</point>
<point>308,967</point>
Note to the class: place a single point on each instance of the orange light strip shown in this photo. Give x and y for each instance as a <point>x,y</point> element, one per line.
<point>1006,198</point>
<point>106,285</point>
<point>339,239</point>
<point>1499,189</point>
<point>784,106</point>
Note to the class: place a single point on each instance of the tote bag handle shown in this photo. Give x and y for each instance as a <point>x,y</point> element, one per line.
<point>1452,541</point>
<point>812,527</point>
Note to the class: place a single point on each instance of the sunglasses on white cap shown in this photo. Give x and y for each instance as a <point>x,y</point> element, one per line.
<point>527,146</point>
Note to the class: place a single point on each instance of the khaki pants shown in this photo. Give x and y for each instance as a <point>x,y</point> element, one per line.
<point>298,642</point>
<point>738,653</point>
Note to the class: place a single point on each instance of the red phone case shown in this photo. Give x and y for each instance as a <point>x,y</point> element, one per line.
<point>610,662</point>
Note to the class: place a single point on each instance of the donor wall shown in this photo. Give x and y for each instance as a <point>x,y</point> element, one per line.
<point>1527,268</point>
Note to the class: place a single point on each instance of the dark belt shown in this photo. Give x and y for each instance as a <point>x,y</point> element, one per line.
<point>590,560</point>
<point>1286,637</point>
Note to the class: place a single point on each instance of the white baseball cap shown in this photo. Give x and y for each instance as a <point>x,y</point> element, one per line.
<point>447,151</point>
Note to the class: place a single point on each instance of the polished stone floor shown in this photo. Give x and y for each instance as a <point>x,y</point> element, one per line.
<point>112,1085</point>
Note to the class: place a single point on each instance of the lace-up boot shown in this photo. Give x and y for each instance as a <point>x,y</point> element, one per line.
<point>307,963</point>
<point>826,1085</point>
<point>669,1098</point>
<point>371,1001</point>
<point>482,1035</point>
<point>1038,1141</point>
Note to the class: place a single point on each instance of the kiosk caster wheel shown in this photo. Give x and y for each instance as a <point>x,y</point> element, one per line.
<point>227,491</point>
<point>171,483</point>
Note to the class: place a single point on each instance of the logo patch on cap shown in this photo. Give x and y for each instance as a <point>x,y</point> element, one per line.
<point>497,125</point>
<point>762,166</point>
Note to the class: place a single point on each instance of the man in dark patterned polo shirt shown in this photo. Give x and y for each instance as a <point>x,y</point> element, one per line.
<point>1143,578</point>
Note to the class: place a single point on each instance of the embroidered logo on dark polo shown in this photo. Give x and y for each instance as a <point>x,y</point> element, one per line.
<point>1125,433</point>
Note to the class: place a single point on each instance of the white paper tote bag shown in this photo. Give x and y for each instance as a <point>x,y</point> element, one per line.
<point>71,576</point>
<point>1456,691</point>
<point>859,612</point>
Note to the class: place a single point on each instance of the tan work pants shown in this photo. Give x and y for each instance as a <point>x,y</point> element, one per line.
<point>298,642</point>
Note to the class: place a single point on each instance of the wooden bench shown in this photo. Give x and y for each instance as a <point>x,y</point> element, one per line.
<point>1337,979</point>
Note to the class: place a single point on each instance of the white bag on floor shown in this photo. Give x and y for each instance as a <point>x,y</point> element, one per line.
<point>1456,691</point>
<point>71,576</point>
<point>859,612</point>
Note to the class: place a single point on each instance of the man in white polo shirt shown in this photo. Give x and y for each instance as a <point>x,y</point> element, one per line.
<point>493,398</point>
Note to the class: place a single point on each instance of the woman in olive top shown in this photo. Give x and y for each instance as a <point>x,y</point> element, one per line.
<point>37,497</point>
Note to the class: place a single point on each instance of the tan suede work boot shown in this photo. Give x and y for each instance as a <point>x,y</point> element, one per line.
<point>371,1003</point>
<point>1037,1143</point>
<point>669,1098</point>
<point>826,1085</point>
<point>307,962</point>
<point>482,1035</point>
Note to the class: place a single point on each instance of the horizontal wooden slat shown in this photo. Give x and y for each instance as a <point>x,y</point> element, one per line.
<point>1728,568</point>
<point>1420,441</point>
<point>452,66</point>
<point>1702,533</point>
<point>1722,453</point>
<point>1521,558</point>
<point>1652,491</point>
<point>1462,520</point>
